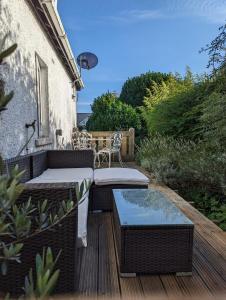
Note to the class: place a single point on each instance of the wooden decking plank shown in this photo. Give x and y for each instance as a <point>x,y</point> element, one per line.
<point>152,285</point>
<point>108,283</point>
<point>88,280</point>
<point>171,286</point>
<point>131,288</point>
<point>215,241</point>
<point>99,274</point>
<point>194,284</point>
<point>210,254</point>
<point>212,279</point>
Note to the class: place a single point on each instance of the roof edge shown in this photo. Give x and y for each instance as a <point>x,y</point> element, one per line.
<point>50,19</point>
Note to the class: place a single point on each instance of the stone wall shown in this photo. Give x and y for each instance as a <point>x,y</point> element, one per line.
<point>19,73</point>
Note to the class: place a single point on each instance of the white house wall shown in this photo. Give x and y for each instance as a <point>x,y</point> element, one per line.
<point>17,18</point>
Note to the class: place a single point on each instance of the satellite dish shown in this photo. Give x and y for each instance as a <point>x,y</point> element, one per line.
<point>87,60</point>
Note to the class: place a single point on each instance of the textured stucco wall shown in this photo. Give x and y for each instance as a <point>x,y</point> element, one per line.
<point>17,18</point>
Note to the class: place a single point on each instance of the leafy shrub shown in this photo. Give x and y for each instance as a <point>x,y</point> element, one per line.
<point>212,121</point>
<point>172,107</point>
<point>42,284</point>
<point>212,205</point>
<point>162,156</point>
<point>179,162</point>
<point>109,113</point>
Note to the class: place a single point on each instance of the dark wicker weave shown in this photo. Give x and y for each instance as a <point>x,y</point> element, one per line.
<point>70,159</point>
<point>153,249</point>
<point>101,196</point>
<point>23,163</point>
<point>61,237</point>
<point>39,163</point>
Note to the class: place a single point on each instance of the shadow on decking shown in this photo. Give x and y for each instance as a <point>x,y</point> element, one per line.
<point>98,274</point>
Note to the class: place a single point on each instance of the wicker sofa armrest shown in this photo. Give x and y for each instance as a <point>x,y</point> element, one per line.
<point>23,163</point>
<point>38,163</point>
<point>70,159</point>
<point>60,237</point>
<point>53,192</point>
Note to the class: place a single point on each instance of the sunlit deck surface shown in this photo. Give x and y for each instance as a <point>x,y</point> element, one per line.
<point>98,268</point>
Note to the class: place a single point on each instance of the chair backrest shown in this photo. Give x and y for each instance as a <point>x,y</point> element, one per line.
<point>85,141</point>
<point>116,140</point>
<point>75,139</point>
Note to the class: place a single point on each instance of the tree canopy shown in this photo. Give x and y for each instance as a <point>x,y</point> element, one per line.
<point>109,113</point>
<point>135,89</point>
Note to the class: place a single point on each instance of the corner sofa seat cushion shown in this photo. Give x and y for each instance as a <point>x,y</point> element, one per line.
<point>64,175</point>
<point>109,176</point>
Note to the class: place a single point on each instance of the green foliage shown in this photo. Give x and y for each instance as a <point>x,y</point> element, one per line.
<point>178,162</point>
<point>212,121</point>
<point>5,98</point>
<point>170,107</point>
<point>135,89</point>
<point>6,52</point>
<point>210,204</point>
<point>20,220</point>
<point>45,276</point>
<point>109,113</point>
<point>163,156</point>
<point>217,51</point>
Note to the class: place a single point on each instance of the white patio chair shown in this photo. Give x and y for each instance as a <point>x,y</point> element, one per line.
<point>85,140</point>
<point>115,148</point>
<point>75,139</point>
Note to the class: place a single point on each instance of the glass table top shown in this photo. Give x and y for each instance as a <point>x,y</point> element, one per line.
<point>140,207</point>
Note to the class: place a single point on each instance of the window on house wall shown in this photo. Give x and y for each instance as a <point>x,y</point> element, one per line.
<point>42,97</point>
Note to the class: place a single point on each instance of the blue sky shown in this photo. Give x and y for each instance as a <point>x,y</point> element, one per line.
<point>131,37</point>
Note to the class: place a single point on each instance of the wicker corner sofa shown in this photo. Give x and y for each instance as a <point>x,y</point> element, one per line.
<point>100,198</point>
<point>63,238</point>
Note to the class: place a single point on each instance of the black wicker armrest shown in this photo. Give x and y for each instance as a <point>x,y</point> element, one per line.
<point>53,192</point>
<point>22,162</point>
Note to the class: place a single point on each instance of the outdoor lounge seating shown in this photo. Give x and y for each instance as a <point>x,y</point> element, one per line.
<point>102,235</point>
<point>64,237</point>
<point>47,171</point>
<point>107,179</point>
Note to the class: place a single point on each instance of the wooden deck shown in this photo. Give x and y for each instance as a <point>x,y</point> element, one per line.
<point>98,269</point>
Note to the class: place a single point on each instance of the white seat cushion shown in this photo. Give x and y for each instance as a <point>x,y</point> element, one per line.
<point>64,175</point>
<point>128,176</point>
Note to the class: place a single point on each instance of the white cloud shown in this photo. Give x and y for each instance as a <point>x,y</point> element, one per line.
<point>135,15</point>
<point>210,10</point>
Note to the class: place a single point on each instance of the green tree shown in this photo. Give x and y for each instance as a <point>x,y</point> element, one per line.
<point>217,51</point>
<point>135,89</point>
<point>168,105</point>
<point>109,113</point>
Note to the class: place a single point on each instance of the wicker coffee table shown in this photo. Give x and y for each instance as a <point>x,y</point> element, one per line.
<point>152,235</point>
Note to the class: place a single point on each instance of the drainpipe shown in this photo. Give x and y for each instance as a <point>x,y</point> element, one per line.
<point>61,34</point>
